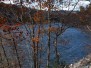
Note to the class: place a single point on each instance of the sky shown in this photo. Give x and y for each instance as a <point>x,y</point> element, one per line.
<point>64,6</point>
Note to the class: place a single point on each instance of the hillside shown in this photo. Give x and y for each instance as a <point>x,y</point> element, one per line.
<point>12,13</point>
<point>32,38</point>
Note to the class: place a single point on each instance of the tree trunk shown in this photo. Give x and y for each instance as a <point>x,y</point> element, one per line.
<point>15,47</point>
<point>8,65</point>
<point>56,51</point>
<point>49,36</point>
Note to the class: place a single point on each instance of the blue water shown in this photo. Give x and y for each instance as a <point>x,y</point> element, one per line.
<point>73,45</point>
<point>76,48</point>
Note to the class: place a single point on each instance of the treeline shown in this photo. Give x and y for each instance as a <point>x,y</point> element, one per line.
<point>14,14</point>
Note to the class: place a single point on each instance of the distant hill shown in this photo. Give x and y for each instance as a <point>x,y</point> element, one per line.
<point>12,13</point>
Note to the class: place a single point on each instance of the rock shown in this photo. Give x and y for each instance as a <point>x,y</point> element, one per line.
<point>83,63</point>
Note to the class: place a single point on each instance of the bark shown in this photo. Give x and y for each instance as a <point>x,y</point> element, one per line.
<point>34,47</point>
<point>49,36</point>
<point>21,10</point>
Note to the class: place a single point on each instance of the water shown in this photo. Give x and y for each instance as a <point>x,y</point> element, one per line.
<point>73,45</point>
<point>76,48</point>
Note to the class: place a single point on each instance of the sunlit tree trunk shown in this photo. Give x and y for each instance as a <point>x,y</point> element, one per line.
<point>32,36</point>
<point>57,61</point>
<point>56,50</point>
<point>34,46</point>
<point>38,36</point>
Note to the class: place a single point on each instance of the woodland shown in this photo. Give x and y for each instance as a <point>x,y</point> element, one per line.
<point>31,38</point>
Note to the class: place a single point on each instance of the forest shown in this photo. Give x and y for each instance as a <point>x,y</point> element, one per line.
<point>31,38</point>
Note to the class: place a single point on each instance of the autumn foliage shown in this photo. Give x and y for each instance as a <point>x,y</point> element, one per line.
<point>39,16</point>
<point>2,20</point>
<point>12,17</point>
